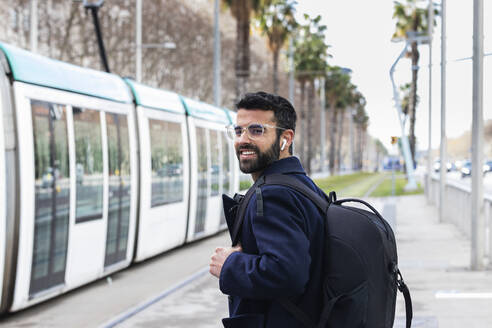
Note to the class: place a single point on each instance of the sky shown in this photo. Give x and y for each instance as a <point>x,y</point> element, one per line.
<point>359,32</point>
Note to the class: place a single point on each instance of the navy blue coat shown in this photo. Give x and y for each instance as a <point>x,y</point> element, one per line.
<point>281,258</point>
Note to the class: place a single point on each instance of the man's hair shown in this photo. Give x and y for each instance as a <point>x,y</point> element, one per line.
<point>283,111</point>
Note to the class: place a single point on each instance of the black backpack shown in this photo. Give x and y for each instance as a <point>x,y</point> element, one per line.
<point>360,261</point>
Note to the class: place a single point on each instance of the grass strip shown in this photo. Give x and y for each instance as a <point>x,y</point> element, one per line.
<point>384,189</point>
<point>353,185</point>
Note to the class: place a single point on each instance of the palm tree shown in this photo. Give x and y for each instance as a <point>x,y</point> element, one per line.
<point>277,21</point>
<point>411,20</point>
<point>347,99</point>
<point>242,10</point>
<point>337,82</point>
<point>310,62</point>
<point>362,121</point>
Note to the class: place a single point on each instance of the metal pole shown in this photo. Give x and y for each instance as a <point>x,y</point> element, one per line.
<point>33,37</point>
<point>323,123</point>
<point>217,80</point>
<point>291,70</point>
<point>429,148</point>
<point>477,219</point>
<point>411,184</point>
<point>442,152</point>
<point>138,41</point>
<point>102,51</point>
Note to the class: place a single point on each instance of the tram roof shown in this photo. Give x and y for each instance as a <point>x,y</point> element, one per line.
<point>232,115</point>
<point>205,111</point>
<point>156,98</point>
<point>36,69</point>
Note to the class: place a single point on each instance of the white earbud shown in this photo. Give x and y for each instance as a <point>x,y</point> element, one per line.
<point>284,142</point>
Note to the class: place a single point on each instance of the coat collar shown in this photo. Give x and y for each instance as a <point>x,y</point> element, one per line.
<point>289,164</point>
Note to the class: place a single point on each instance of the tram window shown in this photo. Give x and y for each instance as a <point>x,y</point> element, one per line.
<point>167,162</point>
<point>214,157</point>
<point>52,195</point>
<point>89,164</point>
<point>202,193</point>
<point>226,176</point>
<point>119,187</point>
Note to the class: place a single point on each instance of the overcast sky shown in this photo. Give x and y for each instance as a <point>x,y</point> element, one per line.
<point>359,32</point>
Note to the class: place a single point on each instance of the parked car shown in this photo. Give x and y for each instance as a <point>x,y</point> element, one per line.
<point>487,167</point>
<point>466,169</point>
<point>437,166</point>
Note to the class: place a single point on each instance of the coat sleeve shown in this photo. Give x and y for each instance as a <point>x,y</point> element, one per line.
<point>281,268</point>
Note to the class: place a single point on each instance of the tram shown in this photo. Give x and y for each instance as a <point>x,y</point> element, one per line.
<point>98,172</point>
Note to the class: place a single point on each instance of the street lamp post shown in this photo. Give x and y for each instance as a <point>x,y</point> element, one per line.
<point>139,45</point>
<point>33,36</point>
<point>442,151</point>
<point>477,217</point>
<point>217,80</point>
<point>138,41</point>
<point>429,148</point>
<point>411,184</point>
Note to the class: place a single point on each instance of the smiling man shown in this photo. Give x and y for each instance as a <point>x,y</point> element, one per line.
<point>279,255</point>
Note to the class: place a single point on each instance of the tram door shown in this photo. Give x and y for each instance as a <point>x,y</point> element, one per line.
<point>52,195</point>
<point>202,190</point>
<point>119,188</point>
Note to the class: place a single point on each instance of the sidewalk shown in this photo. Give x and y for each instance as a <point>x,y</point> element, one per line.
<point>433,259</point>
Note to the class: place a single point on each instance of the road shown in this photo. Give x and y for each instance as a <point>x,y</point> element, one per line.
<point>456,178</point>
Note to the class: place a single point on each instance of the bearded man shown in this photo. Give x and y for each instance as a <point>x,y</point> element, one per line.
<point>279,256</point>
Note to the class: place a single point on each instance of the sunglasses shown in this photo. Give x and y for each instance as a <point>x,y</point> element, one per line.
<point>255,130</point>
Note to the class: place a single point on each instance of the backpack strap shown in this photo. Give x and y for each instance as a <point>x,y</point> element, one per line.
<point>402,287</point>
<point>297,313</point>
<point>242,210</point>
<point>289,181</point>
<point>322,204</point>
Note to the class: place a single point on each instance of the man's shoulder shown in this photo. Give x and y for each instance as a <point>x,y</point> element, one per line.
<point>301,177</point>
<point>282,193</point>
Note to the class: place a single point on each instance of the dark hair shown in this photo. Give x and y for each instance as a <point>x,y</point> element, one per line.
<point>283,111</point>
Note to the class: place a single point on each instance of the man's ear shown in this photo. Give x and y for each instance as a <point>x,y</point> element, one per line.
<point>288,136</point>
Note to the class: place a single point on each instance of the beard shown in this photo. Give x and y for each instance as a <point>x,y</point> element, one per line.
<point>262,160</point>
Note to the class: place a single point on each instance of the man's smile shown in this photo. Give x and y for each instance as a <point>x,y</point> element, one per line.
<point>247,154</point>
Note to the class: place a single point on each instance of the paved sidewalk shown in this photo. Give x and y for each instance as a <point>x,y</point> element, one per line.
<point>434,260</point>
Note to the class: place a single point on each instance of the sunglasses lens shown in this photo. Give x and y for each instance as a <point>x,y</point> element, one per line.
<point>255,130</point>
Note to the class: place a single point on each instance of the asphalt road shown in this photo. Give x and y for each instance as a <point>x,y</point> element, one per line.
<point>455,177</point>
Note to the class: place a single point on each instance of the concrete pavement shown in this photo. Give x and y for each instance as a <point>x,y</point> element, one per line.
<point>434,260</point>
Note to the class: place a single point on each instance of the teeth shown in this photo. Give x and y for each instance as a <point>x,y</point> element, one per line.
<point>248,152</point>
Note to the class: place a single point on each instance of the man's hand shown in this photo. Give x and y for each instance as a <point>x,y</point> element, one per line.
<point>218,258</point>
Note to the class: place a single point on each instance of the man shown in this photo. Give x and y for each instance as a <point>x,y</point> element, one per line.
<point>280,252</point>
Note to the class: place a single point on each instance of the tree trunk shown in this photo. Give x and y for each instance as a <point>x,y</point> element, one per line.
<point>310,126</point>
<point>359,148</point>
<point>302,125</point>
<point>275,71</point>
<point>339,141</point>
<point>413,98</point>
<point>333,133</point>
<point>242,48</point>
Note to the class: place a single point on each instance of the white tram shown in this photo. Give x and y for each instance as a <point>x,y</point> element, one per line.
<point>97,172</point>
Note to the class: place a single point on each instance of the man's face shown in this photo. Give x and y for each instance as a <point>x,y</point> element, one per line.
<point>255,155</point>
